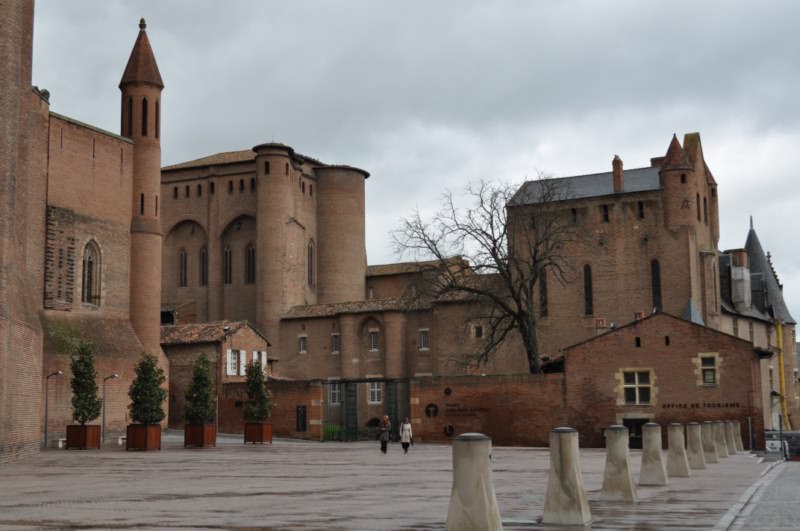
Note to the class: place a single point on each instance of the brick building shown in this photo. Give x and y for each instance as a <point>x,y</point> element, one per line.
<point>80,252</point>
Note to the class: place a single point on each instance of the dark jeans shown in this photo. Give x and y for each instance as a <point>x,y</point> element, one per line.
<point>405,447</point>
<point>384,444</point>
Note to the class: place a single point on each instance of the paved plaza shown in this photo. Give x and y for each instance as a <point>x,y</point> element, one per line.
<point>296,485</point>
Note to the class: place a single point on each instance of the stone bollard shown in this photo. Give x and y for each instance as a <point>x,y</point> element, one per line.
<point>677,462</point>
<point>473,505</point>
<point>709,446</point>
<point>719,438</point>
<point>652,472</point>
<point>617,478</point>
<point>737,433</point>
<point>565,502</point>
<point>694,446</point>
<point>729,437</point>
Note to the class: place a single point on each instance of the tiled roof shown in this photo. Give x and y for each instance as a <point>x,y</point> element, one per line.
<point>227,157</point>
<point>373,305</point>
<point>109,337</point>
<point>142,67</point>
<point>192,333</point>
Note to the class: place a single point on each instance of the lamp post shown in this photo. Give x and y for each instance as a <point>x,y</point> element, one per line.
<point>103,426</point>
<point>47,401</point>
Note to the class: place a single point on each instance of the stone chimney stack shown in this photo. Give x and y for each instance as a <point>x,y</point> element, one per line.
<point>619,181</point>
<point>740,280</point>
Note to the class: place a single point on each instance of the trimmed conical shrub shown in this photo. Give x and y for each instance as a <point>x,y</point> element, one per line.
<point>86,406</point>
<point>200,400</point>
<point>258,406</point>
<point>146,394</point>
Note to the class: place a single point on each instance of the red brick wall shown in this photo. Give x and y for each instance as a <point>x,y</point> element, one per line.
<point>512,410</point>
<point>593,382</point>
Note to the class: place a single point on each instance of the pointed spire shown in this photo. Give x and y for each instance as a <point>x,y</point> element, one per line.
<point>142,67</point>
<point>676,156</point>
<point>751,222</point>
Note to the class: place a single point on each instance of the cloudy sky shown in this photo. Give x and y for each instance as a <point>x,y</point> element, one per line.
<point>428,96</point>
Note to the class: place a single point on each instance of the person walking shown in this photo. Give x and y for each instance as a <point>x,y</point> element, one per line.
<point>406,436</point>
<point>385,427</point>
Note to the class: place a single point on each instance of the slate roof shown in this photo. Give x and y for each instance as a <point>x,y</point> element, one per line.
<point>760,266</point>
<point>583,186</point>
<point>193,333</point>
<point>410,267</point>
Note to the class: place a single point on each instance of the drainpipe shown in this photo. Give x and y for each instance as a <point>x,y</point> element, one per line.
<point>781,376</point>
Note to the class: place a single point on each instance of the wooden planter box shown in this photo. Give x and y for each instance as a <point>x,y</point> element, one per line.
<point>200,435</point>
<point>257,432</point>
<point>83,437</point>
<point>143,437</point>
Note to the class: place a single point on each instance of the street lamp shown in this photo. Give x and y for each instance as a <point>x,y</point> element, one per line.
<point>103,427</point>
<point>46,401</point>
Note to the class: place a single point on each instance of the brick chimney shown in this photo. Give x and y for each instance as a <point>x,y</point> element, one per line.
<point>619,182</point>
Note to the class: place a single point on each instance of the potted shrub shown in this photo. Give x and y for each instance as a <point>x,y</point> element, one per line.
<point>147,405</point>
<point>201,408</point>
<point>86,406</point>
<point>257,407</point>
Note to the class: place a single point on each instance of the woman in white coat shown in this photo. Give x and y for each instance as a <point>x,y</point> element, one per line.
<point>406,437</point>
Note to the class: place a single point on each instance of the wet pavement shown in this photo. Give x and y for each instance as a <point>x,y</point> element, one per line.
<point>296,485</point>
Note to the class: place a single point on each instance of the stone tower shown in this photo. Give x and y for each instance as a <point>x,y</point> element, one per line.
<point>141,88</point>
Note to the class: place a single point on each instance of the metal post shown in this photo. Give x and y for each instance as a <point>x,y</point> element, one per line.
<point>47,401</point>
<point>103,424</point>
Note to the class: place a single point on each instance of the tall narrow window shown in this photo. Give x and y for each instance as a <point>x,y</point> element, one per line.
<point>203,266</point>
<point>199,190</point>
<point>211,187</point>
<point>424,339</point>
<point>155,208</point>
<point>227,266</point>
<point>182,269</point>
<point>640,209</point>
<point>705,210</point>
<point>141,204</point>
<point>266,167</point>
<point>249,264</point>
<point>158,119</point>
<point>375,396</point>
<point>336,343</point>
<point>543,294</point>
<point>606,217</point>
<point>655,284</point>
<point>129,129</point>
<point>174,192</point>
<point>144,116</point>
<point>587,290</point>
<point>698,207</point>
<point>372,340</point>
<point>90,286</point>
<point>311,263</point>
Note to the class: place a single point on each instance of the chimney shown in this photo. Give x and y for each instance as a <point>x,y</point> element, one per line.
<point>741,296</point>
<point>618,180</point>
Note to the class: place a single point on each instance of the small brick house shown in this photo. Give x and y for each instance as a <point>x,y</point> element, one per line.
<point>230,345</point>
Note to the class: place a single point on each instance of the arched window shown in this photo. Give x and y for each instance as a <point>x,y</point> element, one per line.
<point>227,266</point>
<point>311,263</point>
<point>203,266</point>
<point>249,264</point>
<point>183,281</point>
<point>587,290</point>
<point>144,116</point>
<point>655,284</point>
<point>90,286</point>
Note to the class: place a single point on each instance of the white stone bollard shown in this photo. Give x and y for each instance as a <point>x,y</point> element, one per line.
<point>653,471</point>
<point>709,446</point>
<point>617,478</point>
<point>737,432</point>
<point>719,438</point>
<point>473,504</point>
<point>677,462</point>
<point>694,446</point>
<point>565,502</point>
<point>729,437</point>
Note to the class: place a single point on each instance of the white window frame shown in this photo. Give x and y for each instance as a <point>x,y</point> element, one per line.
<point>373,340</point>
<point>242,363</point>
<point>424,339</point>
<point>334,393</point>
<point>375,393</point>
<point>233,362</point>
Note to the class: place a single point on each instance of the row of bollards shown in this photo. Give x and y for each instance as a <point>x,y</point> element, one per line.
<point>473,505</point>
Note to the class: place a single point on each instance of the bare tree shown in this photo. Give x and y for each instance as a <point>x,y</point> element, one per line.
<point>492,252</point>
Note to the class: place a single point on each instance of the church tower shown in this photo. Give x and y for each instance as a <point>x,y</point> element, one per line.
<point>141,88</point>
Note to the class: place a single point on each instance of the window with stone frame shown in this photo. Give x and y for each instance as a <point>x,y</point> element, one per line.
<point>90,278</point>
<point>373,341</point>
<point>708,370</point>
<point>636,386</point>
<point>375,393</point>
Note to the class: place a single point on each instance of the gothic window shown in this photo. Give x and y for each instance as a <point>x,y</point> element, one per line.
<point>227,266</point>
<point>90,287</point>
<point>144,116</point>
<point>655,284</point>
<point>182,266</point>
<point>310,264</point>
<point>203,266</point>
<point>587,290</point>
<point>250,264</point>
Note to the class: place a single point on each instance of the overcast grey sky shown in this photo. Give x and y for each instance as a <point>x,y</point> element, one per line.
<point>428,96</point>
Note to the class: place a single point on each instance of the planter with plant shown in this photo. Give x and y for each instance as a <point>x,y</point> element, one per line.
<point>147,405</point>
<point>201,408</point>
<point>86,406</point>
<point>257,407</point>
